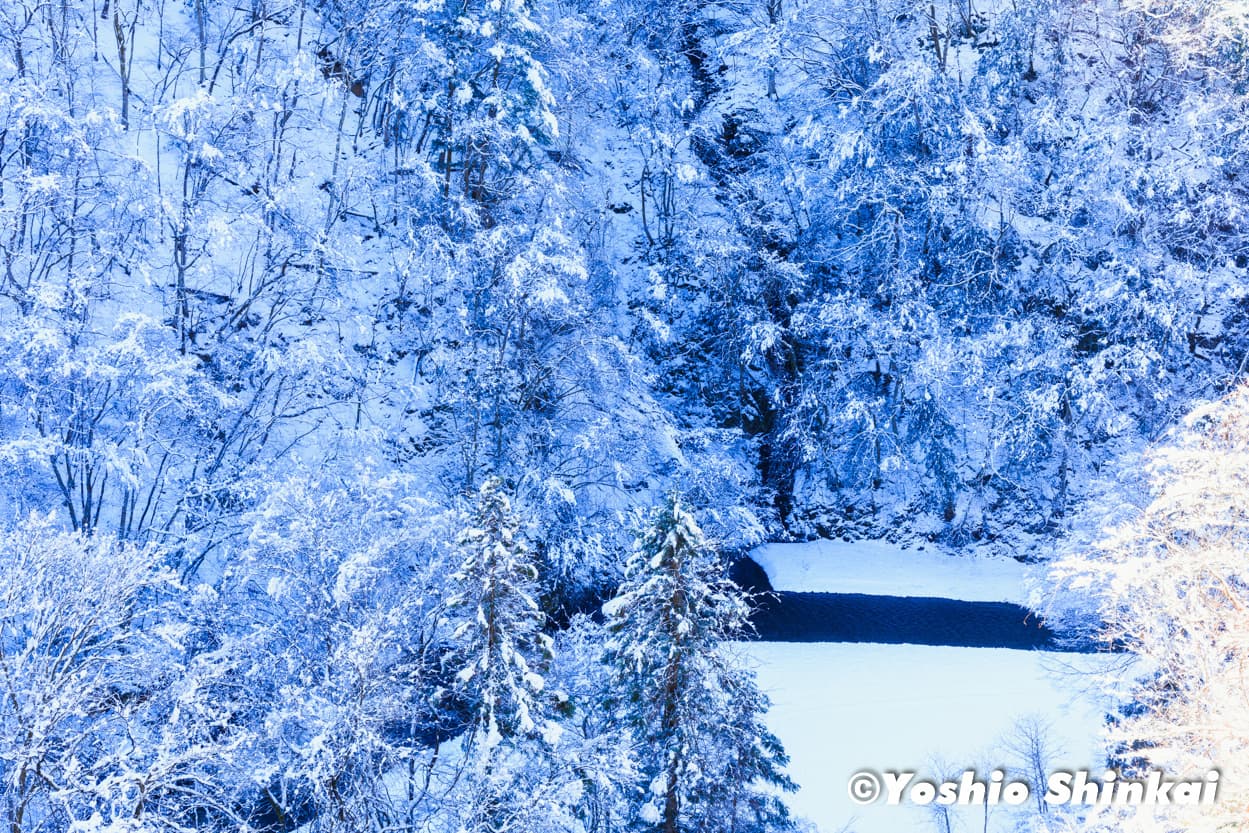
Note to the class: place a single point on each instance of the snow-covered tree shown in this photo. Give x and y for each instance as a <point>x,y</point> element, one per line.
<point>1173,587</point>
<point>499,655</point>
<point>695,716</point>
<point>494,601</point>
<point>102,723</point>
<point>330,612</point>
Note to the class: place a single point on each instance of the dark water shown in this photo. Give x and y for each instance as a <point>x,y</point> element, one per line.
<point>851,617</point>
<point>783,616</point>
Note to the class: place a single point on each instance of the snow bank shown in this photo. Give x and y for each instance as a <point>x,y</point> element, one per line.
<point>840,708</point>
<point>878,568</point>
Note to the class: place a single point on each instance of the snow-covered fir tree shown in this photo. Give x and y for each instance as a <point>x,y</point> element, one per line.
<point>695,716</point>
<point>500,652</point>
<point>500,644</point>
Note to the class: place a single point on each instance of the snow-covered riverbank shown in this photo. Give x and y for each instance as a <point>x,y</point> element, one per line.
<point>885,569</point>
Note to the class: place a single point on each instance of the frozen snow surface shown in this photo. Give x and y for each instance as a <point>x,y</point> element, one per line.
<point>840,708</point>
<point>878,568</point>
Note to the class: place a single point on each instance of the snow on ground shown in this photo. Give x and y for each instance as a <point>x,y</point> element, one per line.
<point>839,708</point>
<point>878,568</point>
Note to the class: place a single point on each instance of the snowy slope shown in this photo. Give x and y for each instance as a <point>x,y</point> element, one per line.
<point>840,708</point>
<point>879,568</point>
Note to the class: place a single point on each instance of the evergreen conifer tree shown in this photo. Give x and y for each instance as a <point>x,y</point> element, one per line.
<point>696,716</point>
<point>499,627</point>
